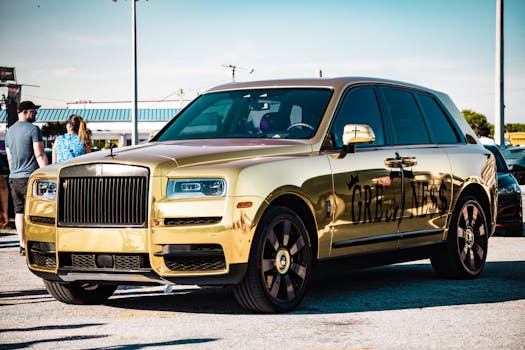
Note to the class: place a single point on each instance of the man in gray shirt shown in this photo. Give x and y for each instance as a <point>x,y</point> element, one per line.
<point>25,154</point>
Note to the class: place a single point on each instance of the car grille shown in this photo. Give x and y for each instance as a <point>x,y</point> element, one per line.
<point>117,261</point>
<point>42,259</point>
<point>117,197</point>
<point>195,263</point>
<point>193,257</point>
<point>41,254</point>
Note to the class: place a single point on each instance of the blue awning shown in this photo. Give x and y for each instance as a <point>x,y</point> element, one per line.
<point>102,115</point>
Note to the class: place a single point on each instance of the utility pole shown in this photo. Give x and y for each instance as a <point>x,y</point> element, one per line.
<point>181,97</point>
<point>499,125</point>
<point>134,129</point>
<point>134,125</point>
<point>234,68</point>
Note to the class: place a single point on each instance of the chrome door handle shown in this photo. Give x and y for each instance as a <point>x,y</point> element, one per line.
<point>408,161</point>
<point>400,162</point>
<point>394,162</point>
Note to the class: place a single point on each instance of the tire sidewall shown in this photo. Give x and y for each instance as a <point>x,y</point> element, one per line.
<point>270,219</point>
<point>454,240</point>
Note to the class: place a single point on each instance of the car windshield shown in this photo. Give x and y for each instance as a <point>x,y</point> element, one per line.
<point>513,153</point>
<point>288,113</point>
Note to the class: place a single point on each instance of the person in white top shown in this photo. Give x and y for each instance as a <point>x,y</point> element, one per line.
<point>484,135</point>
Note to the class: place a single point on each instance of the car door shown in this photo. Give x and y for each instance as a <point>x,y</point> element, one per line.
<point>424,163</point>
<point>367,182</point>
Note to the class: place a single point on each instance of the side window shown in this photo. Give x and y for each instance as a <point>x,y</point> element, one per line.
<point>408,125</point>
<point>359,106</point>
<point>439,124</point>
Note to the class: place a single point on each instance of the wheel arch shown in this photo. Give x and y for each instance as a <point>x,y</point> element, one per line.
<point>300,206</point>
<point>478,191</point>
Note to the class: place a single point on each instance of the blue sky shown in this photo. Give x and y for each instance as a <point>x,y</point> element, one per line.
<point>81,49</point>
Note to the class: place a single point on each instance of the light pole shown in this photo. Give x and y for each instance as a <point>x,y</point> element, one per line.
<point>134,126</point>
<point>499,125</point>
<point>134,130</point>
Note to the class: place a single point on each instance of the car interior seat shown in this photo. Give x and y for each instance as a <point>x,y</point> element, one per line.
<point>274,122</point>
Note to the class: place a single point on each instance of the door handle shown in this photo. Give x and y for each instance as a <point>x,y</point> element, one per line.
<point>394,162</point>
<point>408,161</point>
<point>400,162</point>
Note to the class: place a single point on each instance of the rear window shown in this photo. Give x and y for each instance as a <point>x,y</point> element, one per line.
<point>408,125</point>
<point>439,124</point>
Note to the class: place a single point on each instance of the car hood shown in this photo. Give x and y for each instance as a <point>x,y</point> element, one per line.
<point>506,179</point>
<point>169,154</point>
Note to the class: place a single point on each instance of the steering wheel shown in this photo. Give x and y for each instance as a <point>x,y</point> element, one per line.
<point>300,124</point>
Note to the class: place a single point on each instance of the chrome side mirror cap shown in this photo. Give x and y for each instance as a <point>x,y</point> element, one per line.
<point>358,133</point>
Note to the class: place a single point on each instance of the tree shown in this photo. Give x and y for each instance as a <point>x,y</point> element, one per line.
<point>474,118</point>
<point>53,129</point>
<point>515,127</point>
<point>477,120</point>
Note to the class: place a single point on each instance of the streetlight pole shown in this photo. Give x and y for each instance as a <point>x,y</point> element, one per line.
<point>499,126</point>
<point>134,130</point>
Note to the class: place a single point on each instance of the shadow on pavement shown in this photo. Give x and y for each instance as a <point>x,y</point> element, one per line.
<point>53,341</point>
<point>334,290</point>
<point>47,328</point>
<point>23,345</point>
<point>161,344</point>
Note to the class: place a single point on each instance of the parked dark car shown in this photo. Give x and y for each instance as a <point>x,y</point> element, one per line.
<point>515,158</point>
<point>509,220</point>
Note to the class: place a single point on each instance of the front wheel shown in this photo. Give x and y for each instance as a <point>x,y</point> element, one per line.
<point>80,293</point>
<point>279,266</point>
<point>466,250</point>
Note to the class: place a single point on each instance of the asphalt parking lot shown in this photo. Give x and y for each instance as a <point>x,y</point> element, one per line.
<point>400,306</point>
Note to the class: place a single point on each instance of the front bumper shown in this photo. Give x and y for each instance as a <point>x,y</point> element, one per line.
<point>207,254</point>
<point>234,275</point>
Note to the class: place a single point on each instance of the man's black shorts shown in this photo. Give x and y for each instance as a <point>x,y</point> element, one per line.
<point>18,193</point>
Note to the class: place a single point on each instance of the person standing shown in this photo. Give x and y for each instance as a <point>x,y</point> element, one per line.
<point>25,154</point>
<point>4,217</point>
<point>74,143</point>
<point>484,135</point>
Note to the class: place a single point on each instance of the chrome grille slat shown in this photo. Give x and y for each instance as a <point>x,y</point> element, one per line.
<point>114,200</point>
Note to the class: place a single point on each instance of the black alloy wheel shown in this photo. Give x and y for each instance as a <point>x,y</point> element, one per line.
<point>279,265</point>
<point>467,243</point>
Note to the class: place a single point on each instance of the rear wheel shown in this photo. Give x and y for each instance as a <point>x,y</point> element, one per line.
<point>279,266</point>
<point>466,250</point>
<point>79,293</point>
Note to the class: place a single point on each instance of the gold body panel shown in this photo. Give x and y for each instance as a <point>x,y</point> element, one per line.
<point>354,204</point>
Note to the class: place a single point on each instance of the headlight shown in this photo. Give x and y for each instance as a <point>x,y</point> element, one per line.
<point>195,188</point>
<point>45,189</point>
<point>510,188</point>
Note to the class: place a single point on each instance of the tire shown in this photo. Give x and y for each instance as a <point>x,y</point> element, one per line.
<point>465,253</point>
<point>279,265</point>
<point>80,293</point>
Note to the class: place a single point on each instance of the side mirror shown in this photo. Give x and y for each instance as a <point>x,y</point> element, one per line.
<point>358,133</point>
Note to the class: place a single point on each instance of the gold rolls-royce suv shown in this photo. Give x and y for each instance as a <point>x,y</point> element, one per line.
<point>253,183</point>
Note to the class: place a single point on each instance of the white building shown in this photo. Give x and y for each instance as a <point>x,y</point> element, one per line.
<point>110,120</point>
